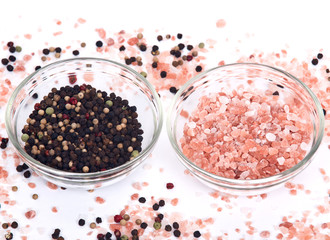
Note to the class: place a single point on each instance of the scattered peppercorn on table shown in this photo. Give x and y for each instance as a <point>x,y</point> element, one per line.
<point>160,199</point>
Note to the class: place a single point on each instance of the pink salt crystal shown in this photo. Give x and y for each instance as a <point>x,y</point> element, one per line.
<point>230,139</point>
<point>192,124</point>
<point>272,151</point>
<point>221,23</point>
<point>207,131</point>
<point>227,139</point>
<point>265,234</point>
<point>270,137</point>
<point>190,132</point>
<point>250,113</point>
<point>224,100</point>
<point>235,133</point>
<point>280,160</point>
<point>304,146</point>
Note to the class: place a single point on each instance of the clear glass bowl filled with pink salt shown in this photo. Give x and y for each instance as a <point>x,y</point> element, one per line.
<point>245,128</point>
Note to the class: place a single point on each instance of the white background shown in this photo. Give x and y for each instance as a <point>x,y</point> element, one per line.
<point>300,26</point>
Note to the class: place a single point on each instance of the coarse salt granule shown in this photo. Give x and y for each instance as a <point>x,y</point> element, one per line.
<point>250,138</point>
<point>270,137</point>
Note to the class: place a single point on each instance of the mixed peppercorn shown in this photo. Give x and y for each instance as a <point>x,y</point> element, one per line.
<point>134,228</point>
<point>81,129</point>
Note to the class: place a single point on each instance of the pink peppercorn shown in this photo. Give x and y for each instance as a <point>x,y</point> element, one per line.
<point>83,87</point>
<point>100,236</point>
<point>117,218</point>
<point>65,116</point>
<point>72,79</point>
<point>73,101</point>
<point>117,233</point>
<point>37,106</point>
<point>169,185</point>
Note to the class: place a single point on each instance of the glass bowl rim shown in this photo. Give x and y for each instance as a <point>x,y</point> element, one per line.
<point>246,182</point>
<point>57,172</point>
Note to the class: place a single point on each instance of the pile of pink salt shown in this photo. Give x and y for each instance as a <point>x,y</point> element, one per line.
<point>246,135</point>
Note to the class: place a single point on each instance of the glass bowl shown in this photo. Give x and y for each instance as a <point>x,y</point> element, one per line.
<point>104,75</point>
<point>252,77</point>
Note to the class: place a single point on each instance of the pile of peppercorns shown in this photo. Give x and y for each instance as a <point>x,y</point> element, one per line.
<point>13,225</point>
<point>81,129</point>
<point>8,62</point>
<point>4,143</point>
<point>24,168</point>
<point>56,234</point>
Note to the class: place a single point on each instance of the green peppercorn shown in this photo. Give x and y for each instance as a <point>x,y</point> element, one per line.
<point>109,103</point>
<point>40,135</point>
<point>144,74</point>
<point>201,45</point>
<point>135,153</point>
<point>157,225</point>
<point>124,237</point>
<point>49,110</point>
<point>25,137</point>
<point>18,48</point>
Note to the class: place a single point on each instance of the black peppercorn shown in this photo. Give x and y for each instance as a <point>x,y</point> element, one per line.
<point>144,225</point>
<point>173,90</point>
<point>19,168</point>
<point>155,207</point>
<point>163,74</point>
<point>161,203</point>
<point>143,47</point>
<point>14,224</point>
<point>142,200</point>
<point>45,51</point>
<point>27,174</point>
<point>12,49</point>
<point>99,43</point>
<point>197,234</point>
<point>315,61</point>
<point>24,166</point>
<point>154,64</point>
<point>98,220</point>
<point>168,228</point>
<point>134,232</point>
<point>190,47</point>
<point>10,68</point>
<point>75,52</point>
<point>175,225</point>
<point>177,233</point>
<point>58,50</point>
<point>198,69</point>
<point>4,61</point>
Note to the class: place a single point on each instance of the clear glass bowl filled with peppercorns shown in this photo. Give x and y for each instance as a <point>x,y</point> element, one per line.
<point>84,122</point>
<point>245,128</point>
